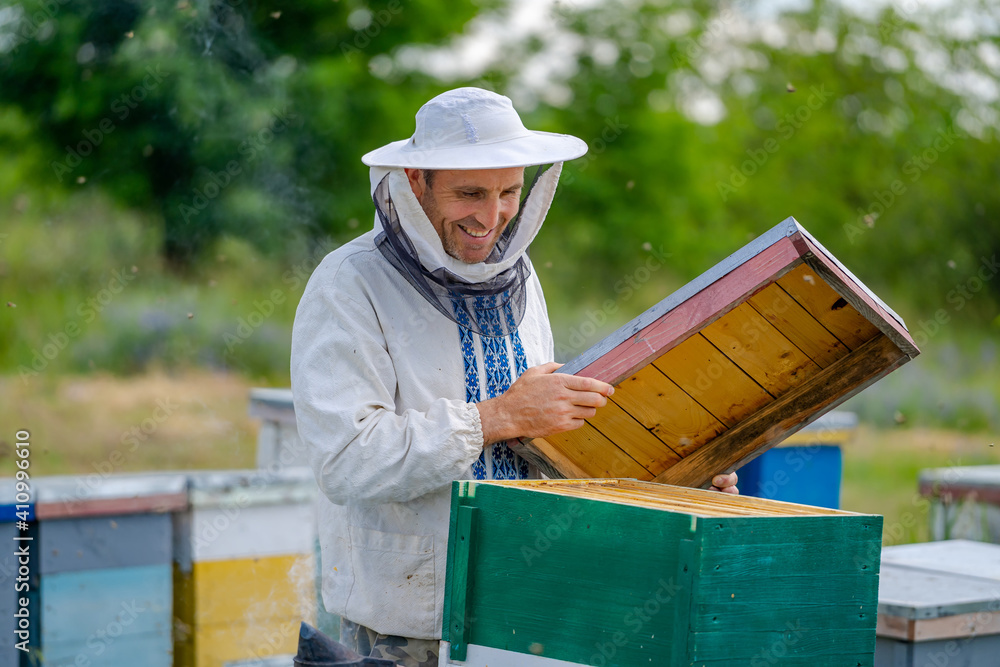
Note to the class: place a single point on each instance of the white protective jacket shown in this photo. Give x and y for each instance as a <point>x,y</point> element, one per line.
<point>378,379</point>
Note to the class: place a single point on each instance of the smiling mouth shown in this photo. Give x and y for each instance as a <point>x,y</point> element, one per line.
<point>475,234</point>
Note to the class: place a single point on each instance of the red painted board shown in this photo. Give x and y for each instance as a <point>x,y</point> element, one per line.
<point>695,313</point>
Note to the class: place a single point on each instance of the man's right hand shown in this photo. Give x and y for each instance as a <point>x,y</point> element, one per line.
<point>542,402</point>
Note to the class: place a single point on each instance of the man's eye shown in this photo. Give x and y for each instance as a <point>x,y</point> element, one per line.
<point>470,194</point>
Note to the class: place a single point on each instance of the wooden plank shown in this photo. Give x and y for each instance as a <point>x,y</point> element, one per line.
<point>980,651</point>
<point>550,461</point>
<point>949,557</point>
<point>95,495</point>
<point>157,503</point>
<point>689,579</point>
<point>957,626</point>
<point>854,291</point>
<point>678,498</point>
<point>647,449</point>
<point>234,532</point>
<point>839,614</point>
<point>856,659</point>
<point>245,488</point>
<point>693,507</point>
<point>651,397</point>
<point>536,552</point>
<point>761,560</point>
<point>949,494</point>
<point>958,483</point>
<point>811,646</point>
<point>461,582</point>
<point>76,605</point>
<point>8,596</point>
<point>827,437</point>
<point>831,386</point>
<point>219,645</point>
<point>106,651</point>
<point>485,656</point>
<point>712,379</point>
<point>248,590</point>
<point>594,455</point>
<point>615,364</point>
<point>783,588</point>
<point>861,533</point>
<point>760,350</point>
<point>782,230</point>
<point>796,324</point>
<point>831,309</point>
<point>92,543</point>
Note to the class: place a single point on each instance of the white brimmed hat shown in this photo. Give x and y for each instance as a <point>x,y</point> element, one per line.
<point>472,128</point>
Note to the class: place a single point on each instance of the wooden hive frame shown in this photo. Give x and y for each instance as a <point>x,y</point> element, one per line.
<point>743,356</point>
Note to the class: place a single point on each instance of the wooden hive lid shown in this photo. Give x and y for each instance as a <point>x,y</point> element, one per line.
<point>939,590</point>
<point>759,346</point>
<point>956,483</point>
<point>71,496</point>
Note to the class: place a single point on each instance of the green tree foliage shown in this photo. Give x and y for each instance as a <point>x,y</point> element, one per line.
<point>225,116</point>
<point>709,125</point>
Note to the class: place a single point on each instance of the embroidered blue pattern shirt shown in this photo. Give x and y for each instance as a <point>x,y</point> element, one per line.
<point>501,366</point>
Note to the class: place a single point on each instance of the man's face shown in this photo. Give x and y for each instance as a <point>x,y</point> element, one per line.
<point>469,208</point>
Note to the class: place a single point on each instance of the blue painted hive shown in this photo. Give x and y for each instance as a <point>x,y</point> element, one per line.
<point>104,569</point>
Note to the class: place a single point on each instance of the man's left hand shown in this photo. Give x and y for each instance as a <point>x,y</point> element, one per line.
<point>725,483</point>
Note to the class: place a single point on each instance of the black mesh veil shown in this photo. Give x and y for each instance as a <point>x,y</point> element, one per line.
<point>494,307</point>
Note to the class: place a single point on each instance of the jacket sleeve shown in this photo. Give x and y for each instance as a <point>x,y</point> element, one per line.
<point>344,384</point>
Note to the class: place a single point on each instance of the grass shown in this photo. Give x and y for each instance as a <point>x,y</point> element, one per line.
<point>195,419</point>
<point>101,424</point>
<point>882,465</point>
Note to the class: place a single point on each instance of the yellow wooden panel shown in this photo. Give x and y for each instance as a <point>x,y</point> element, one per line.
<point>622,429</point>
<point>665,410</point>
<point>824,437</point>
<point>596,455</point>
<point>709,377</point>
<point>795,322</point>
<point>760,350</point>
<point>217,644</point>
<point>823,303</point>
<point>566,466</point>
<point>246,590</point>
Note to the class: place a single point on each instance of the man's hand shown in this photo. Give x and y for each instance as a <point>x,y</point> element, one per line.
<point>725,483</point>
<point>542,402</point>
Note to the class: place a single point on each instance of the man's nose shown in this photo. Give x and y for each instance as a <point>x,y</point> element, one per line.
<point>491,213</point>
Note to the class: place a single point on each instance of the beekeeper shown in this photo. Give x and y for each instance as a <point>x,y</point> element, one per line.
<point>418,349</point>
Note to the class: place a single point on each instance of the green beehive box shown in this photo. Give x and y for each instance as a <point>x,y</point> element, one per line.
<point>624,572</point>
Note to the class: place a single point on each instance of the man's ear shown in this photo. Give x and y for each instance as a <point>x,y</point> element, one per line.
<point>417,183</point>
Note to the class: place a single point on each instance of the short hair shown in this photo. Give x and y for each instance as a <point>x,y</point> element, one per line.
<point>428,175</point>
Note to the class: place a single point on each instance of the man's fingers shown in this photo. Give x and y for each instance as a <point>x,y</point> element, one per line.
<point>724,480</point>
<point>589,399</point>
<point>544,369</point>
<point>577,383</point>
<point>726,489</point>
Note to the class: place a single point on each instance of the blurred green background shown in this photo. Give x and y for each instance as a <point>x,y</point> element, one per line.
<point>171,172</point>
